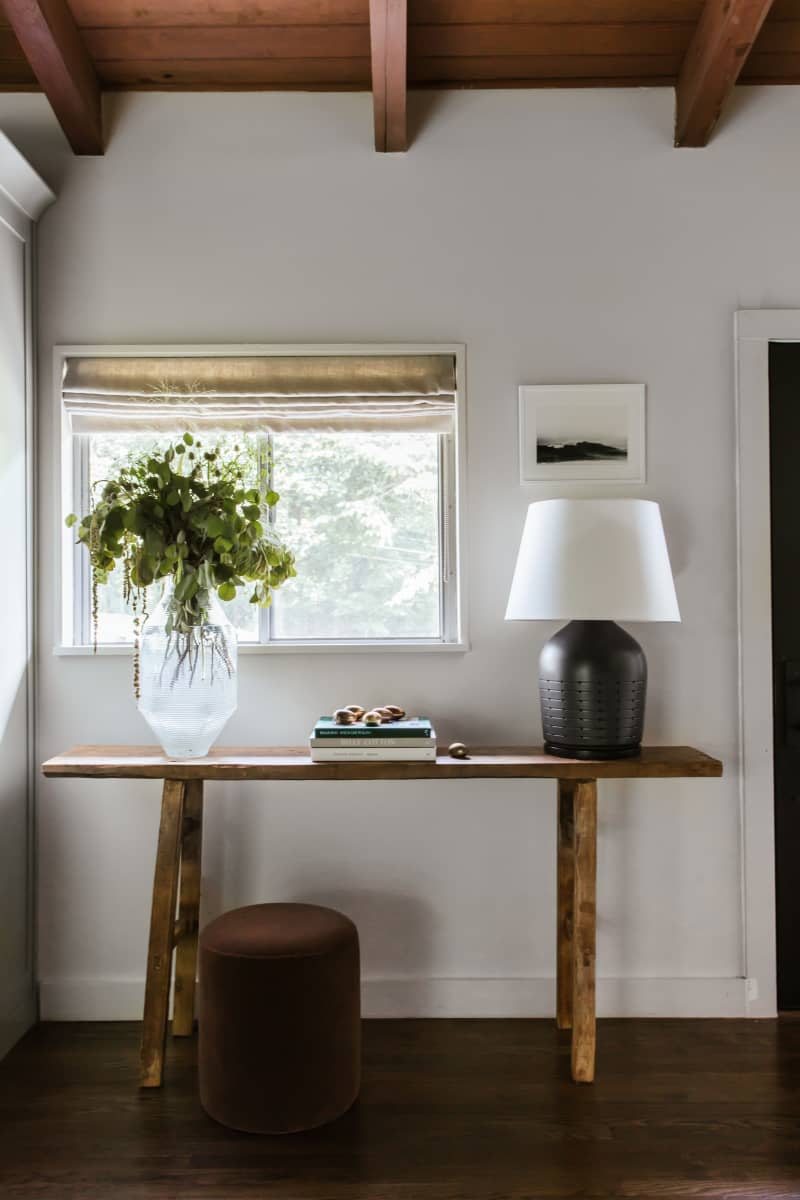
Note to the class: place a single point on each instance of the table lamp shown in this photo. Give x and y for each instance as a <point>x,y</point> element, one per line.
<point>593,563</point>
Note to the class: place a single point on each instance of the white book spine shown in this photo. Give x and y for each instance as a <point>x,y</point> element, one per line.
<point>378,743</point>
<point>372,754</point>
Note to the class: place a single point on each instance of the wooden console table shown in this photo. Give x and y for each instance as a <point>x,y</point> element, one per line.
<point>176,884</point>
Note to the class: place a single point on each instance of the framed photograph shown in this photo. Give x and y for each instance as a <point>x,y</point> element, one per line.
<point>593,432</point>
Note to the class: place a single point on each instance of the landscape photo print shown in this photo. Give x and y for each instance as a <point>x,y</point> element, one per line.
<point>582,431</point>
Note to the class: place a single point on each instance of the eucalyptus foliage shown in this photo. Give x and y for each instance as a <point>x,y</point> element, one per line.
<point>186,513</point>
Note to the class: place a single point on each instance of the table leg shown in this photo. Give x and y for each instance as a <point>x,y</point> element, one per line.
<point>188,911</point>
<point>565,891</point>
<point>585,931</point>
<point>162,934</point>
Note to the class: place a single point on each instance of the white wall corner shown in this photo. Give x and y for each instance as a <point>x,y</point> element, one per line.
<point>21,184</point>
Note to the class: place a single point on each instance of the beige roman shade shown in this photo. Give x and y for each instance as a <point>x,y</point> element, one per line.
<point>264,393</point>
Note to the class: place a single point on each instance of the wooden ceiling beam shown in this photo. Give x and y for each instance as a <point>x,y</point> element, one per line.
<point>54,48</point>
<point>388,27</point>
<point>717,52</point>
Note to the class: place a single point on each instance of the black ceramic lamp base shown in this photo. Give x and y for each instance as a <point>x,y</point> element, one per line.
<point>592,687</point>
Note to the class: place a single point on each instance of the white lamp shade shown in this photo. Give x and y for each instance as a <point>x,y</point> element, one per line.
<point>593,560</point>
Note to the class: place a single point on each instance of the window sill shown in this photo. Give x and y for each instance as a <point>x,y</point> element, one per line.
<point>251,648</point>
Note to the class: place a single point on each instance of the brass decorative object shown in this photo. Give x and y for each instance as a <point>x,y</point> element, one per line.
<point>376,716</point>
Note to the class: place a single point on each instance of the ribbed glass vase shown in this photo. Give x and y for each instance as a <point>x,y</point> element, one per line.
<point>187,679</point>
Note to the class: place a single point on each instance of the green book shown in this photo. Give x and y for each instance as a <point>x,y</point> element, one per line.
<point>410,727</point>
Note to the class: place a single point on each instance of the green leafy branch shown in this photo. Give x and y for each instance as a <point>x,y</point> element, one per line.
<point>187,513</point>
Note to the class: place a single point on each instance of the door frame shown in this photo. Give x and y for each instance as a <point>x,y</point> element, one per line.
<point>24,196</point>
<point>754,329</point>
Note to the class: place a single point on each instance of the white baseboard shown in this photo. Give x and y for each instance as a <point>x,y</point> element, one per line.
<point>536,997</point>
<point>17,1010</point>
<point>121,999</point>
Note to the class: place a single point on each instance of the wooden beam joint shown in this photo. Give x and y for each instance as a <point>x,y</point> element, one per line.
<point>183,929</point>
<point>189,826</point>
<point>53,46</point>
<point>717,53</point>
<point>388,24</point>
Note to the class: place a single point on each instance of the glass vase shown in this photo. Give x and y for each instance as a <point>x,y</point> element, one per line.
<point>187,677</point>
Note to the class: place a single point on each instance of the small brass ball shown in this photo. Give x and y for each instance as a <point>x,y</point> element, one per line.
<point>457,750</point>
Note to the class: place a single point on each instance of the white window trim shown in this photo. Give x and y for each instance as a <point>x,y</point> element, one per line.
<point>452,539</point>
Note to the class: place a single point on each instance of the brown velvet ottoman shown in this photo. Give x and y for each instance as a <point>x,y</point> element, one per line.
<point>279,1025</point>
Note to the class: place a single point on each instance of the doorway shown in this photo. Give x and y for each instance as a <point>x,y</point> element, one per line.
<point>784,439</point>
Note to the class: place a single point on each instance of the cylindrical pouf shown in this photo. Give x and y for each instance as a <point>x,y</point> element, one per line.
<point>279,1021</point>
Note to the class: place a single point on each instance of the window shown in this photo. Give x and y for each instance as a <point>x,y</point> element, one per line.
<point>366,475</point>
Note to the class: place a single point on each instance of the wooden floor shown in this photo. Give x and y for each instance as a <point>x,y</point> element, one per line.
<point>450,1110</point>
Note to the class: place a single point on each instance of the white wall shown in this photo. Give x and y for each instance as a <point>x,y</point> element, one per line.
<point>562,239</point>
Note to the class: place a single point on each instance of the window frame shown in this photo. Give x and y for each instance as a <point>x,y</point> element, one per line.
<point>73,608</point>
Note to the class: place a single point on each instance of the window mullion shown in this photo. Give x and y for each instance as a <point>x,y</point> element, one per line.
<point>265,477</point>
<point>81,567</point>
<point>447,538</point>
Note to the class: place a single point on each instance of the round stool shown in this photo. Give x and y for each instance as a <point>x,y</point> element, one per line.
<point>279,1017</point>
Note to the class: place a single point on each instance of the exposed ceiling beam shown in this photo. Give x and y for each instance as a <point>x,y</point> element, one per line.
<point>53,46</point>
<point>388,27</point>
<point>717,52</point>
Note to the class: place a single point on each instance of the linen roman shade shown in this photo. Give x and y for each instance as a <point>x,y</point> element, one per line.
<point>268,393</point>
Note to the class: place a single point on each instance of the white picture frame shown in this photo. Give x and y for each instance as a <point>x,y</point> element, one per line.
<point>590,432</point>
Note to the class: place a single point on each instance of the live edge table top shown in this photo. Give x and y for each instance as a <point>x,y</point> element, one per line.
<point>289,762</point>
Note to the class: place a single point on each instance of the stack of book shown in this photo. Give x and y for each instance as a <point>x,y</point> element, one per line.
<point>410,740</point>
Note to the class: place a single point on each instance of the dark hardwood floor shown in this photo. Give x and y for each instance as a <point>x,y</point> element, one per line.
<point>450,1110</point>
